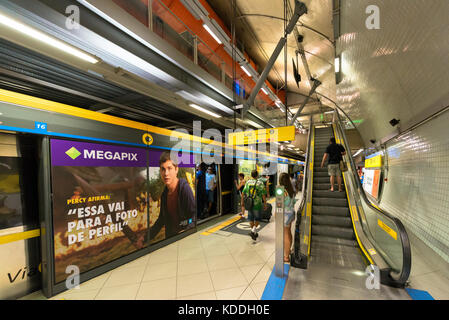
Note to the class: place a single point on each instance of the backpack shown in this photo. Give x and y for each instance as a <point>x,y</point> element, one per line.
<point>248,200</point>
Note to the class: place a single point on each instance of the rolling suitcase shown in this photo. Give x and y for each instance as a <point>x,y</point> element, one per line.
<point>266,214</point>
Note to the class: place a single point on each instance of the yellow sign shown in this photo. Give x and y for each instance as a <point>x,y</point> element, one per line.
<point>355,215</point>
<point>372,251</point>
<point>387,229</point>
<point>262,136</point>
<point>374,162</point>
<point>147,139</point>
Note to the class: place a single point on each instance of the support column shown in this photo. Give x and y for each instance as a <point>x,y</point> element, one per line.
<point>195,50</point>
<point>279,233</point>
<point>223,72</point>
<point>150,15</point>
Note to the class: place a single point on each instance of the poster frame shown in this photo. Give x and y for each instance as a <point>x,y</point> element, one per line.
<point>49,286</point>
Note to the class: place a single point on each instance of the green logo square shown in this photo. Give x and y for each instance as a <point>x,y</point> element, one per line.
<point>73,153</point>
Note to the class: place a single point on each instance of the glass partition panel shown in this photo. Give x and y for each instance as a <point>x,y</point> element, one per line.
<point>209,60</point>
<point>385,236</point>
<point>137,8</point>
<point>168,25</point>
<point>381,229</point>
<point>170,28</point>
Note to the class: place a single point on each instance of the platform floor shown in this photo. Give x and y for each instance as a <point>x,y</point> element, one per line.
<point>222,265</point>
<point>230,266</point>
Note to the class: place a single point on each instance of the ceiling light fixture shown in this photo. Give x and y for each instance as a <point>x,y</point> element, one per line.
<point>204,110</point>
<point>357,153</point>
<point>337,65</point>
<point>246,71</point>
<point>211,33</point>
<point>55,43</point>
<point>264,91</point>
<point>279,104</point>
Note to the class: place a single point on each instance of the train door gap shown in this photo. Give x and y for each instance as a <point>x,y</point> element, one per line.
<point>207,192</point>
<point>20,247</point>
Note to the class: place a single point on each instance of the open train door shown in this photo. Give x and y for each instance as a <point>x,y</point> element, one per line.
<point>226,179</point>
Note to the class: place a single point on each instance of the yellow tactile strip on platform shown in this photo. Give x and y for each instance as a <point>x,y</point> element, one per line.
<point>221,226</point>
<point>227,222</point>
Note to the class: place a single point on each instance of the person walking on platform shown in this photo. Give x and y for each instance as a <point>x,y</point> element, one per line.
<point>211,184</point>
<point>289,213</point>
<point>240,185</point>
<point>254,189</point>
<point>335,153</point>
<point>201,194</point>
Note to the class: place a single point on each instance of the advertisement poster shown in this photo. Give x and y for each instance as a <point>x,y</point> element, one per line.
<point>371,182</point>
<point>99,203</point>
<point>246,166</point>
<point>171,188</point>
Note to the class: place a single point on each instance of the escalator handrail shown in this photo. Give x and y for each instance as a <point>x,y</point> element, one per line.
<point>304,194</point>
<point>406,248</point>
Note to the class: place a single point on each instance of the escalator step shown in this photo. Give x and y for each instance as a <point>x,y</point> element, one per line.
<point>320,174</point>
<point>333,241</point>
<point>336,232</point>
<point>321,186</point>
<point>330,211</point>
<point>318,170</point>
<point>329,194</point>
<point>333,221</point>
<point>329,202</point>
<point>321,180</point>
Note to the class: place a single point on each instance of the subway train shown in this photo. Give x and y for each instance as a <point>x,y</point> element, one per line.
<point>83,192</point>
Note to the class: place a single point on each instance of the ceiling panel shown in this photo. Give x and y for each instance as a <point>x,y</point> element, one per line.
<point>399,71</point>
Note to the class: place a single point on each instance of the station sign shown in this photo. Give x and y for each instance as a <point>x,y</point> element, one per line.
<point>262,136</point>
<point>374,162</point>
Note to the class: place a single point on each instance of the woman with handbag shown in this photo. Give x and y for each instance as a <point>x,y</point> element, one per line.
<point>289,213</point>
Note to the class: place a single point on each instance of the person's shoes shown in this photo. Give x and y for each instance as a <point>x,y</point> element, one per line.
<point>256,235</point>
<point>253,235</point>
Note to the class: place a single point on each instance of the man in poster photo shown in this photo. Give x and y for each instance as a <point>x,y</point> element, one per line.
<point>177,200</point>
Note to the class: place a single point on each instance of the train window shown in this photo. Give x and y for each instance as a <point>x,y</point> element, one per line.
<point>11,193</point>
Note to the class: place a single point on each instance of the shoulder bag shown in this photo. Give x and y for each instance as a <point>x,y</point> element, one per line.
<point>248,200</point>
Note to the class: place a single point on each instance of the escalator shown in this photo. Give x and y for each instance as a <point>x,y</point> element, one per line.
<point>333,238</point>
<point>344,246</point>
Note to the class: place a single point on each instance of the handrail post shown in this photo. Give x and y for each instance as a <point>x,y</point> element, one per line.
<point>150,15</point>
<point>223,72</point>
<point>195,49</point>
<point>279,233</point>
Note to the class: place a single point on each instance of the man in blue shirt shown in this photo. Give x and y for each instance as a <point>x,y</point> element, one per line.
<point>211,184</point>
<point>201,193</point>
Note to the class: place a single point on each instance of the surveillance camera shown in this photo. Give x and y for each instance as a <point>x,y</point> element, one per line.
<point>394,122</point>
<point>373,141</point>
<point>300,38</point>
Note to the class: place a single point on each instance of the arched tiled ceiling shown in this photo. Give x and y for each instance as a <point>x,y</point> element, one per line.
<point>398,71</point>
<point>260,25</point>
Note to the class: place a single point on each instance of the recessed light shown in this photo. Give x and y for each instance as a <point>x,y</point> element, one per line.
<point>38,35</point>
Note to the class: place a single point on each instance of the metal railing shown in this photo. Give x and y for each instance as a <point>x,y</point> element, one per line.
<point>390,241</point>
<point>160,19</point>
<point>386,232</point>
<point>298,258</point>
